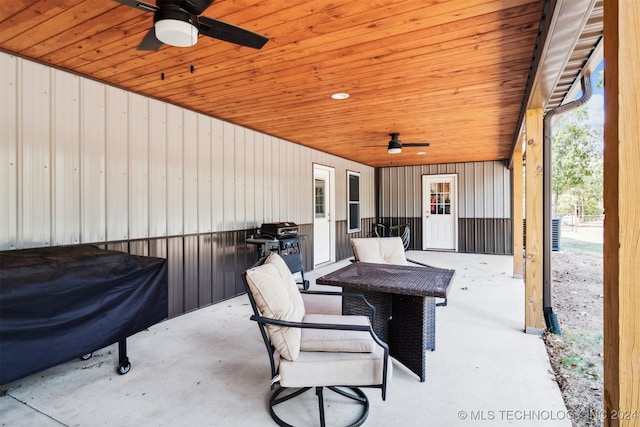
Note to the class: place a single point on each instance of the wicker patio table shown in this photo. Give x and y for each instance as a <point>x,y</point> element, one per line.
<point>404,297</point>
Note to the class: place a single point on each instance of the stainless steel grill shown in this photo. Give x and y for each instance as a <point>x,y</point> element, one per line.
<point>283,238</point>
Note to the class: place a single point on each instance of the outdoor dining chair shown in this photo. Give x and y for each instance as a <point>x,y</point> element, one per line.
<point>306,351</point>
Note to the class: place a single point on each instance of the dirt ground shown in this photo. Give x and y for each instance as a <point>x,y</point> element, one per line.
<point>577,295</point>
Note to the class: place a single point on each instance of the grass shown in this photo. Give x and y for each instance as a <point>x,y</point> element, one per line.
<point>583,354</point>
<point>581,245</point>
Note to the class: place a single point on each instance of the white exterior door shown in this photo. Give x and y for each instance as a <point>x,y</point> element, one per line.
<point>323,226</point>
<point>439,213</point>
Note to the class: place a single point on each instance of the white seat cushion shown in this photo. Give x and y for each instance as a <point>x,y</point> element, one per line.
<point>318,368</point>
<point>277,298</point>
<point>379,250</point>
<point>336,340</point>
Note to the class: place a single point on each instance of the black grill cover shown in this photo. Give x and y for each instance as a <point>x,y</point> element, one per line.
<point>59,303</point>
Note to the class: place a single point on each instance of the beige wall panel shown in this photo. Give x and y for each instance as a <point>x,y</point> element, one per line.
<point>138,166</point>
<point>466,193</point>
<point>274,154</point>
<point>9,152</point>
<point>267,179</point>
<point>175,184</point>
<point>228,180</point>
<point>132,167</point>
<point>93,177</point>
<point>503,203</point>
<point>297,190</point>
<point>217,162</point>
<point>483,189</point>
<point>478,190</point>
<point>205,183</point>
<point>259,169</point>
<point>34,151</point>
<point>65,170</point>
<point>239,156</point>
<point>250,178</point>
<point>117,165</point>
<point>489,191</point>
<point>190,171</point>
<point>158,204</point>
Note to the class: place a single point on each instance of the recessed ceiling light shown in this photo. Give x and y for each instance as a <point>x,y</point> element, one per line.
<point>421,153</point>
<point>340,95</point>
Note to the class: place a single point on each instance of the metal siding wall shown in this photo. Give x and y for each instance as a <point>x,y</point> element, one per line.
<point>191,285</point>
<point>483,202</point>
<point>478,190</point>
<point>258,176</point>
<point>147,177</point>
<point>489,190</point>
<point>267,179</point>
<point>93,163</point>
<point>249,192</point>
<point>65,167</point>
<point>117,165</point>
<point>240,179</point>
<point>175,261</point>
<point>228,180</point>
<point>175,191</point>
<point>9,152</point>
<point>276,213</point>
<point>190,172</point>
<point>205,271</point>
<point>218,267</point>
<point>217,163</point>
<point>158,204</point>
<point>138,167</point>
<point>34,162</point>
<point>139,247</point>
<point>469,192</point>
<point>204,174</point>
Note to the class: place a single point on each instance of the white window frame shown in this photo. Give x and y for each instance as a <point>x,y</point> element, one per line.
<point>353,228</point>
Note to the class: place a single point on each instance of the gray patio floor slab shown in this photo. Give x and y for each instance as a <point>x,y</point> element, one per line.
<point>210,368</point>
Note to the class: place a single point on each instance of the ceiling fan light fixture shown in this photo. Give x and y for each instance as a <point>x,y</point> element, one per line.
<point>176,32</point>
<point>395,147</point>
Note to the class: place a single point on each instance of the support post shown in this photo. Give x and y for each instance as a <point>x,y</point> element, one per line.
<point>534,320</point>
<point>621,226</point>
<point>517,200</point>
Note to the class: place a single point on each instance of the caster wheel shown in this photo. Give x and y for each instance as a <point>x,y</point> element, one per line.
<point>124,367</point>
<point>86,356</point>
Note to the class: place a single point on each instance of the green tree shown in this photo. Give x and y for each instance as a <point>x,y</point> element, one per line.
<point>576,164</point>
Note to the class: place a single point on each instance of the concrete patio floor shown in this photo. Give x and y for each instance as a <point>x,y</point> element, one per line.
<point>210,368</point>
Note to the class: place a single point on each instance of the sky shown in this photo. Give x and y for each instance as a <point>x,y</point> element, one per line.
<point>595,105</point>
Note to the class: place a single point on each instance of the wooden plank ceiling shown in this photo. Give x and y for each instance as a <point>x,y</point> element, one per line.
<point>452,73</point>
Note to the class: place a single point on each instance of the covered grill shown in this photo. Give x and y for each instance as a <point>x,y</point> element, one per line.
<point>283,238</point>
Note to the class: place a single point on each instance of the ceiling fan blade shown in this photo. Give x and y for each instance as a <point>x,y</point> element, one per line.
<point>195,7</point>
<point>139,5</point>
<point>230,33</point>
<point>150,42</point>
<point>415,144</point>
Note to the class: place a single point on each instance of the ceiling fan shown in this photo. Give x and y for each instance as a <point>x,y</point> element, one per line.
<point>177,23</point>
<point>395,145</point>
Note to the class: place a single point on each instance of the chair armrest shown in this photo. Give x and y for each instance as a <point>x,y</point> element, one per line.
<point>331,326</point>
<point>420,263</point>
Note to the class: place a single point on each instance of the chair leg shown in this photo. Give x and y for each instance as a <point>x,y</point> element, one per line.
<point>352,393</point>
<point>320,405</point>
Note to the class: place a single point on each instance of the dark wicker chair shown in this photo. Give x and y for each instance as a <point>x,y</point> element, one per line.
<point>320,365</point>
<point>401,230</point>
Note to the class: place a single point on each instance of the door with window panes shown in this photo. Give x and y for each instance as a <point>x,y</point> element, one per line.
<point>439,212</point>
